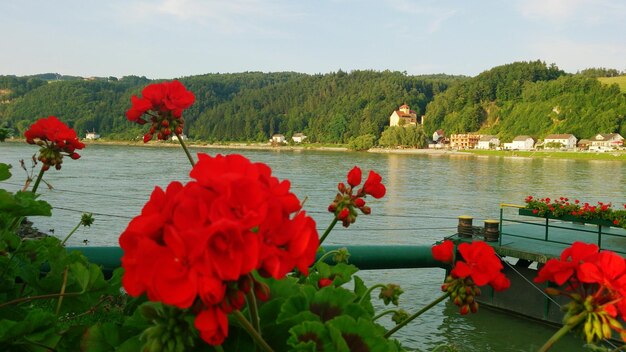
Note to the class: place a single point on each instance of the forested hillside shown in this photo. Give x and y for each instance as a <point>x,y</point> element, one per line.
<point>519,98</point>
<point>529,98</point>
<point>234,107</point>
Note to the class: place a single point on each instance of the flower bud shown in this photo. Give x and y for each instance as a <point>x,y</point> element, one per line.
<point>261,291</point>
<point>341,187</point>
<point>366,210</point>
<point>552,291</point>
<point>474,307</point>
<point>465,309</point>
<point>244,284</point>
<point>324,282</point>
<point>359,202</point>
<point>343,214</point>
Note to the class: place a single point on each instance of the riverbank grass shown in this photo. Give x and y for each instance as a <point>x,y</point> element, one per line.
<point>581,155</point>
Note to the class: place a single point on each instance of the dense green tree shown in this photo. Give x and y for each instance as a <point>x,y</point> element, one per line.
<point>529,98</point>
<point>362,143</point>
<point>409,137</point>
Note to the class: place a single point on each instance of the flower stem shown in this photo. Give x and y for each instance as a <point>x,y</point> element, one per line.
<point>180,140</point>
<point>326,255</point>
<point>563,331</point>
<point>369,290</point>
<point>330,227</point>
<point>62,291</point>
<point>258,339</point>
<point>39,177</point>
<point>382,314</point>
<point>71,233</point>
<point>417,314</point>
<point>32,298</point>
<point>254,312</point>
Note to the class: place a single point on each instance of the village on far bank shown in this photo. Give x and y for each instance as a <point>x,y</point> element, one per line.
<point>405,117</point>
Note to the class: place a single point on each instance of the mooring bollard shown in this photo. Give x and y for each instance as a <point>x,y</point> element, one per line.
<point>492,230</point>
<point>465,226</point>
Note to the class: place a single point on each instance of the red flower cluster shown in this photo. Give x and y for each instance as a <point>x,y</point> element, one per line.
<point>562,206</point>
<point>167,101</point>
<point>54,137</point>
<point>596,282</point>
<point>479,266</point>
<point>195,245</point>
<point>345,204</point>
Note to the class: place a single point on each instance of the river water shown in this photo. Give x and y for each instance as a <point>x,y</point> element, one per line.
<point>425,195</point>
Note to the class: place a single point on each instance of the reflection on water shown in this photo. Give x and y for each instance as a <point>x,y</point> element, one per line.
<point>425,195</point>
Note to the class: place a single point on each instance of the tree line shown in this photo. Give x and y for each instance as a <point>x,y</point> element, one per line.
<point>339,107</point>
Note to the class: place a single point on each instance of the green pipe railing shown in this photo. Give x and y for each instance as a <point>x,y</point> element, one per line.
<point>364,257</point>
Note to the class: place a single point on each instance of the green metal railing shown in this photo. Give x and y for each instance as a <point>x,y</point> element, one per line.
<point>364,257</point>
<point>549,226</point>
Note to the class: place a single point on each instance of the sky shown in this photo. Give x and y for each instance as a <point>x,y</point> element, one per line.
<point>176,38</point>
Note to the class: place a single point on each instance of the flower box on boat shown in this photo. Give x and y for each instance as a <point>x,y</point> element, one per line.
<point>567,217</point>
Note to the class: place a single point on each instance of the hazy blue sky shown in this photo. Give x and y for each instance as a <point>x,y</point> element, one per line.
<point>174,38</point>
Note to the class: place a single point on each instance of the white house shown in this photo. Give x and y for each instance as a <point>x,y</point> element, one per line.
<point>520,143</point>
<point>488,142</point>
<point>92,135</point>
<point>404,116</point>
<point>567,141</point>
<point>437,135</point>
<point>182,136</point>
<point>607,141</point>
<point>278,138</point>
<point>298,137</point>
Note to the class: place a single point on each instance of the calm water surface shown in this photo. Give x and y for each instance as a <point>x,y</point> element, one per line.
<point>425,195</point>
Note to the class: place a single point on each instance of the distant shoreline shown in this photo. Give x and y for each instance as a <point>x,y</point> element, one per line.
<point>570,155</point>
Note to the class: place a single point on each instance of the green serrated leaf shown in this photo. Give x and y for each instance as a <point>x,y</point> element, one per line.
<point>100,338</point>
<point>310,336</point>
<point>81,274</point>
<point>5,174</point>
<point>360,334</point>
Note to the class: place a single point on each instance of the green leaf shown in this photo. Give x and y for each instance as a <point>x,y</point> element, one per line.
<point>359,335</point>
<point>36,326</point>
<point>81,274</point>
<point>310,336</point>
<point>102,337</point>
<point>23,204</point>
<point>133,344</point>
<point>5,174</point>
<point>296,309</point>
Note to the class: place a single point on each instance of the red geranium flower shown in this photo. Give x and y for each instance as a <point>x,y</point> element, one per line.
<point>596,285</point>
<point>478,266</point>
<point>373,185</point>
<point>166,100</point>
<point>212,323</point>
<point>444,252</point>
<point>203,240</point>
<point>560,270</point>
<point>347,200</point>
<point>479,262</point>
<point>354,177</point>
<point>55,138</point>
